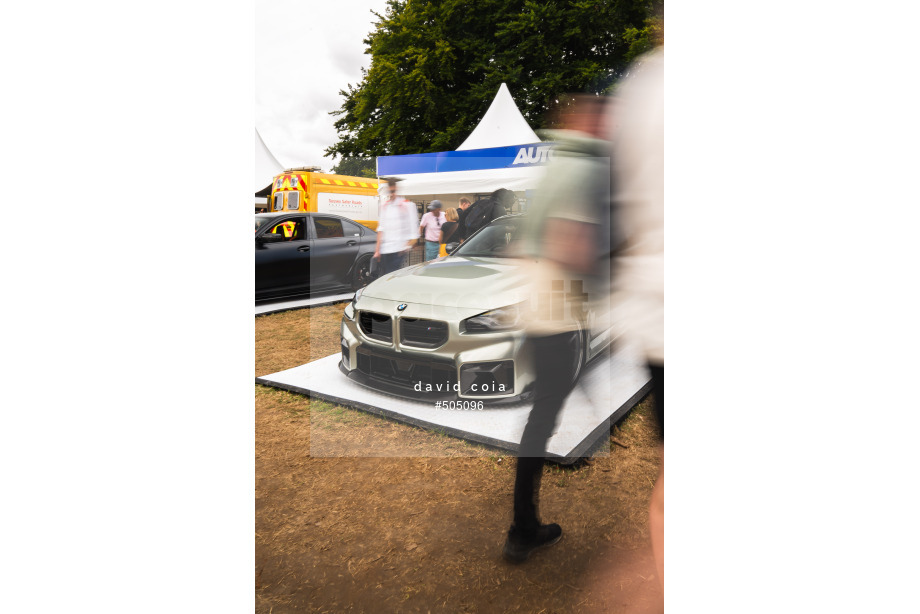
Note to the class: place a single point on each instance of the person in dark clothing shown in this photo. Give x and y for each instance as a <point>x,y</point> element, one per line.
<point>450,230</point>
<point>484,210</point>
<point>502,202</point>
<point>555,361</point>
<point>478,215</point>
<point>461,215</point>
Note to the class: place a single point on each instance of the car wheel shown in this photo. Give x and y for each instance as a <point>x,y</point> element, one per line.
<point>362,274</point>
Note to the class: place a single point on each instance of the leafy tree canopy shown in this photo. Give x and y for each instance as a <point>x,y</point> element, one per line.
<point>436,66</point>
<point>356,167</point>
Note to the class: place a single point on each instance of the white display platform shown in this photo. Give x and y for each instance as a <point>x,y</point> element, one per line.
<point>608,388</point>
<point>317,301</point>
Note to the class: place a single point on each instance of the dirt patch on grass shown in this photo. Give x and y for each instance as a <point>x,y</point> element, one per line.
<point>424,534</point>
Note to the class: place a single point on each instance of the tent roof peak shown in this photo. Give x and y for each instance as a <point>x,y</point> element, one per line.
<point>502,125</point>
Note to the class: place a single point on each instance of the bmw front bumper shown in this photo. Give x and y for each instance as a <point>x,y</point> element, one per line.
<point>419,351</point>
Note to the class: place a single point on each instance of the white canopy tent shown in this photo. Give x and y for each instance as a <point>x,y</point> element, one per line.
<point>502,125</point>
<point>267,166</point>
<point>501,152</point>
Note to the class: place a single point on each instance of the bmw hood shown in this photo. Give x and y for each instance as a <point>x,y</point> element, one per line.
<point>467,283</point>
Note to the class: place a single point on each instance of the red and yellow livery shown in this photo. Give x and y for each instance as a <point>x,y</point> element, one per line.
<point>307,189</point>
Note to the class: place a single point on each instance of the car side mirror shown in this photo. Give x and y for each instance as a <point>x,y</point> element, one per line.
<point>270,237</point>
<point>449,247</point>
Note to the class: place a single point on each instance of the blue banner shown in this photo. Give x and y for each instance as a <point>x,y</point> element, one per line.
<point>535,154</point>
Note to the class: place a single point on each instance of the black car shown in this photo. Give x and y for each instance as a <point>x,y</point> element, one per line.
<point>298,253</point>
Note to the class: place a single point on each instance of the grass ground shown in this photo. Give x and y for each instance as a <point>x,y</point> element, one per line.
<point>423,533</point>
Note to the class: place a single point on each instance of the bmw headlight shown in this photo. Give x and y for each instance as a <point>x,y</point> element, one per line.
<point>501,319</point>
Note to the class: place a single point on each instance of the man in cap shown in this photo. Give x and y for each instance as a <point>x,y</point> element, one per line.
<point>431,225</point>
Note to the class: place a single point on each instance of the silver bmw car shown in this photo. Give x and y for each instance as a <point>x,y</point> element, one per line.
<point>453,328</point>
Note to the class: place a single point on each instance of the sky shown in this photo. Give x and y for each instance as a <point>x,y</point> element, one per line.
<point>306,52</point>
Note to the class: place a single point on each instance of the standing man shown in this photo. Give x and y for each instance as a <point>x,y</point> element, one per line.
<point>395,230</point>
<point>431,225</point>
<point>461,214</point>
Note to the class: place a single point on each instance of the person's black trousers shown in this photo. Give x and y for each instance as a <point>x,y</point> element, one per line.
<point>391,262</point>
<point>555,362</point>
<point>657,372</point>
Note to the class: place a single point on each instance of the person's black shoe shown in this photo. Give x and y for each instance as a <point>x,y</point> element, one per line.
<point>519,544</point>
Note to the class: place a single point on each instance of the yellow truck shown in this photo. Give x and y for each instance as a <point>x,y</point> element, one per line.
<point>307,189</point>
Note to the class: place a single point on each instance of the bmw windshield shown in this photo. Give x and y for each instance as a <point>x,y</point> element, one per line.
<point>498,240</point>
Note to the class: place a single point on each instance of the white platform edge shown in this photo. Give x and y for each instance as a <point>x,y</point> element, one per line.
<point>576,434</point>
<point>319,301</point>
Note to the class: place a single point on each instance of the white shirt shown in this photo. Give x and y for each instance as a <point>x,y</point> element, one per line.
<point>399,224</point>
<point>638,164</point>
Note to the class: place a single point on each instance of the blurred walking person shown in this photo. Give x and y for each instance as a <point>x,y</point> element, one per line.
<point>397,231</point>
<point>638,169</point>
<point>567,237</point>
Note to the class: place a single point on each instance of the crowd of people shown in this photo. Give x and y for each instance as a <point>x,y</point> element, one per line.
<point>439,230</point>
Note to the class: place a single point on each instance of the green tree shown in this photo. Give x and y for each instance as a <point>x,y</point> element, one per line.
<point>436,66</point>
<point>644,39</point>
<point>356,167</point>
